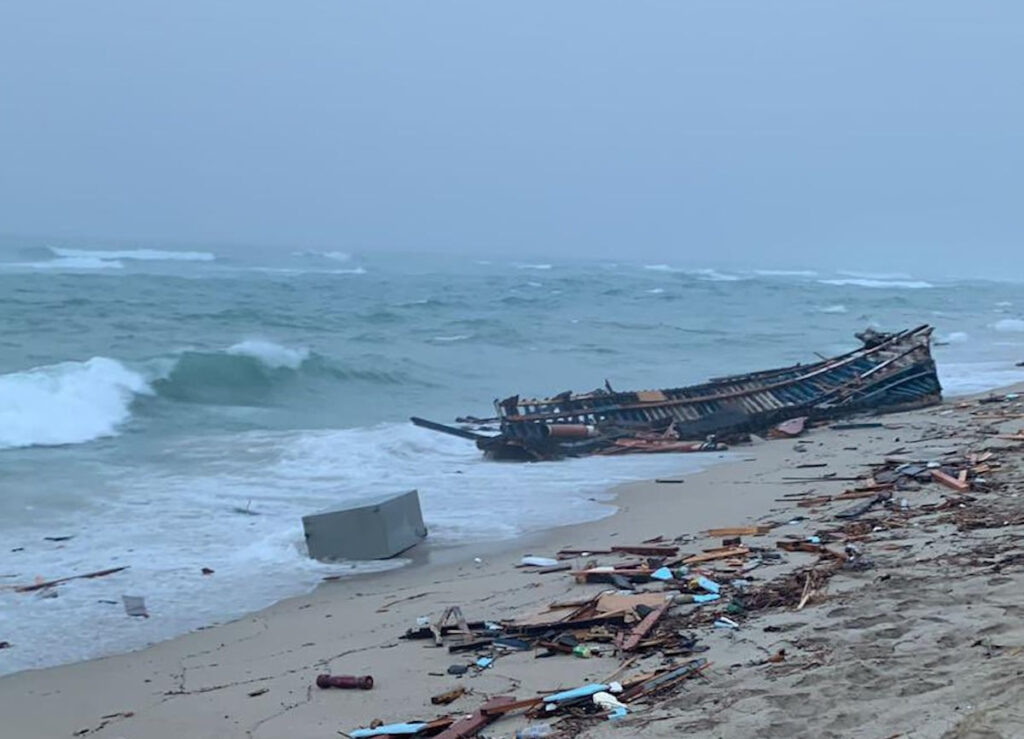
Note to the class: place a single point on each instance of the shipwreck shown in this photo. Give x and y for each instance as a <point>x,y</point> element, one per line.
<point>890,372</point>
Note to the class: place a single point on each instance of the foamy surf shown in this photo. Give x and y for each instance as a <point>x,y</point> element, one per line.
<point>144,255</point>
<point>67,403</point>
<point>878,284</point>
<point>239,523</point>
<point>1009,325</point>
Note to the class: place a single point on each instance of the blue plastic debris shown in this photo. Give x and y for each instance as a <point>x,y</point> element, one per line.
<point>389,730</point>
<point>662,573</point>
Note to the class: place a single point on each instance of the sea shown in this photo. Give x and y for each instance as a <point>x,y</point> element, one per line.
<point>172,409</point>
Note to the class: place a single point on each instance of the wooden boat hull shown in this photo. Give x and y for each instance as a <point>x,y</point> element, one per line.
<point>891,372</point>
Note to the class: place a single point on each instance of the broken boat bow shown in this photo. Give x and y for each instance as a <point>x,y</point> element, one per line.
<point>890,372</point>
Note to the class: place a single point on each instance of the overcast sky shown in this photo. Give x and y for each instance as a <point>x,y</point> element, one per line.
<point>734,133</point>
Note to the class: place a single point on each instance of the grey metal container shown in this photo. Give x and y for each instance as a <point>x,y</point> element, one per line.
<point>370,528</point>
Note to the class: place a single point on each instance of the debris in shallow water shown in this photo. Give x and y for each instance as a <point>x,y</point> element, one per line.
<point>206,571</point>
<point>47,583</point>
<point>247,511</point>
<point>58,538</point>
<point>135,605</point>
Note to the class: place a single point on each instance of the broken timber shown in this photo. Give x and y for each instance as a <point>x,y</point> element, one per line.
<point>890,372</point>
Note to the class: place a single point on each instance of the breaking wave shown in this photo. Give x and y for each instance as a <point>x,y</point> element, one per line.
<point>786,272</point>
<point>837,308</point>
<point>270,354</point>
<point>1009,325</point>
<point>257,372</point>
<point>73,263</point>
<point>709,275</point>
<point>336,256</point>
<point>876,283</point>
<point>67,403</point>
<point>143,255</point>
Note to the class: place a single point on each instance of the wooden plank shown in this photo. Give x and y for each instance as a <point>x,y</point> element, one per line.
<point>640,630</point>
<point>647,551</point>
<point>58,581</point>
<point>510,707</point>
<point>724,554</point>
<point>950,482</point>
<point>470,725</point>
<point>759,530</point>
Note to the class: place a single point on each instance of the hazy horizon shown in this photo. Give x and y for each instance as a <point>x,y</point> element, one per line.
<point>876,136</point>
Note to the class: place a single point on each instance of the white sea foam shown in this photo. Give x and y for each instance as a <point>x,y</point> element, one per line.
<point>305,271</point>
<point>875,283</point>
<point>975,377</point>
<point>712,275</point>
<point>955,337</point>
<point>278,477</point>
<point>837,308</point>
<point>874,275</point>
<point>73,263</point>
<point>270,354</point>
<point>449,339</point>
<point>1009,325</point>
<point>66,403</point>
<point>709,275</point>
<point>533,266</point>
<point>786,272</point>
<point>656,290</point>
<point>1003,304</point>
<point>142,255</point>
<point>337,256</point>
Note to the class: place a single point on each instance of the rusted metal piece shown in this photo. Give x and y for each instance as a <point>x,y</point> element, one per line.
<point>345,682</point>
<point>443,699</point>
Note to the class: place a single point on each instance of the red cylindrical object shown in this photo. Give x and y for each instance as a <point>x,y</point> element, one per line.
<point>347,682</point>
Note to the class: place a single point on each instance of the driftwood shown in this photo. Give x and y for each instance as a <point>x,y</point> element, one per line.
<point>58,581</point>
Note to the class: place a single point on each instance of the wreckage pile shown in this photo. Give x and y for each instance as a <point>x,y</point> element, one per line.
<point>890,372</point>
<point>656,598</point>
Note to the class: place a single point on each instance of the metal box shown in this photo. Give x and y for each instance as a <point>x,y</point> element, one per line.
<point>368,528</point>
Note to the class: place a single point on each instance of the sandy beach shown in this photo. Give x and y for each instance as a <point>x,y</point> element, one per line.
<point>922,638</point>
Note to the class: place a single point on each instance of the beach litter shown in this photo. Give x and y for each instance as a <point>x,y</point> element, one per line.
<point>345,682</point>
<point>135,605</point>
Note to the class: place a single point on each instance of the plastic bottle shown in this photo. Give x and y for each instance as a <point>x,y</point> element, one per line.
<point>580,651</point>
<point>535,732</point>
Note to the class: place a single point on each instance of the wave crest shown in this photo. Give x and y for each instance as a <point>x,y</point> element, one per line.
<point>272,355</point>
<point>142,255</point>
<point>67,403</point>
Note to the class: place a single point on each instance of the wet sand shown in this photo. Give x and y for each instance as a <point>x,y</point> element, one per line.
<point>924,644</point>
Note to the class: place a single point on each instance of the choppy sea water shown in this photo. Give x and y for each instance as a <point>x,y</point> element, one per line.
<point>172,410</point>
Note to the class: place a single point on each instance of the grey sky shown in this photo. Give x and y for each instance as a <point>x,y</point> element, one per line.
<point>733,133</point>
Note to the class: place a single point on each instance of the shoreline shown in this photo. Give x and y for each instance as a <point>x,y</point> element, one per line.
<point>351,625</point>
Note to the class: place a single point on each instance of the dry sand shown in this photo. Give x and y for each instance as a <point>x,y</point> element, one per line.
<point>928,643</point>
